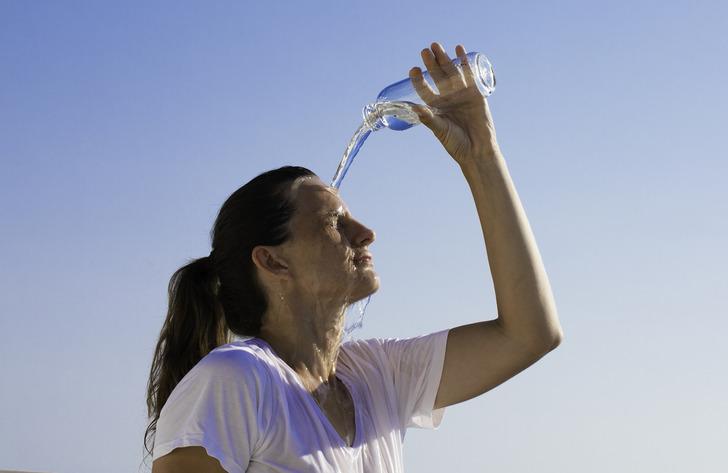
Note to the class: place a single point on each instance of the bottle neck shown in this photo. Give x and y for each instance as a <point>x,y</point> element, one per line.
<point>373,117</point>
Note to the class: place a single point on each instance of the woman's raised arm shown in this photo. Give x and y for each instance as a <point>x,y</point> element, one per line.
<point>482,355</point>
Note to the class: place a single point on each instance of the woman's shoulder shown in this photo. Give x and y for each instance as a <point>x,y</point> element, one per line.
<point>364,354</point>
<point>240,357</point>
<point>375,347</point>
<point>389,350</point>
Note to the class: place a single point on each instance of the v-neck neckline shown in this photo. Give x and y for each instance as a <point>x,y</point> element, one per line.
<point>353,395</point>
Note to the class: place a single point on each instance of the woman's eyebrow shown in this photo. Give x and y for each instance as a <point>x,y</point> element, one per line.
<point>334,213</point>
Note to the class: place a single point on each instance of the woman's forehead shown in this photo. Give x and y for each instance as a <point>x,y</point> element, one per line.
<point>316,197</point>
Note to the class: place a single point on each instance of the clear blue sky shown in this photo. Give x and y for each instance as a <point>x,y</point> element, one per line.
<point>124,126</point>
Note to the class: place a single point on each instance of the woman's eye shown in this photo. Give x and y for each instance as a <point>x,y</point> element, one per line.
<point>337,222</point>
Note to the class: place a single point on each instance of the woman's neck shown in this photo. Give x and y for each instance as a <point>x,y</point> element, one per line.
<point>306,341</point>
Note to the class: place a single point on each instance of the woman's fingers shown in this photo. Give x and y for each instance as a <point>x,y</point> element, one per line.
<point>468,73</point>
<point>443,59</point>
<point>433,67</point>
<point>446,76</point>
<point>421,86</point>
<point>451,78</point>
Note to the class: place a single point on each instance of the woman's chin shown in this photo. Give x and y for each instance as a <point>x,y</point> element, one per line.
<point>368,286</point>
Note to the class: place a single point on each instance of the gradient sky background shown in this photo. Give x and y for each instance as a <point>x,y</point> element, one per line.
<point>124,126</point>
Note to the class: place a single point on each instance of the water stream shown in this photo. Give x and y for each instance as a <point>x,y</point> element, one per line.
<point>378,115</point>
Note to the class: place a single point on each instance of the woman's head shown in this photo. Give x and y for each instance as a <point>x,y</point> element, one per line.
<point>323,258</point>
<point>211,297</point>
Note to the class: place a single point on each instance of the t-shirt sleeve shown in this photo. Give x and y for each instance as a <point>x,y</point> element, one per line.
<point>416,365</point>
<point>216,407</point>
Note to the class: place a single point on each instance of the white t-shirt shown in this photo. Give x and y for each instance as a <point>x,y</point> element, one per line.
<point>249,409</point>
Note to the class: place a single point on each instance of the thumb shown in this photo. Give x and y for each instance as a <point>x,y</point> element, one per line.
<point>437,124</point>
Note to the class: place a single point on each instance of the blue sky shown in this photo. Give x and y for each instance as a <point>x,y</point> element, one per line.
<point>123,128</point>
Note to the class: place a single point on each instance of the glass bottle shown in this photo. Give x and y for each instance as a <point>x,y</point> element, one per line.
<point>390,111</point>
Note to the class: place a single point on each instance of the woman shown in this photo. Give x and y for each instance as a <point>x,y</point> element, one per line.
<point>288,258</point>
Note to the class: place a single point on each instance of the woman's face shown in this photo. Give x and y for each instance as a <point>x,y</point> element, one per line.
<point>325,252</point>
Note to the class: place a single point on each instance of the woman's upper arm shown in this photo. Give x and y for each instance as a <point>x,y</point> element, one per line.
<point>187,460</point>
<point>481,356</point>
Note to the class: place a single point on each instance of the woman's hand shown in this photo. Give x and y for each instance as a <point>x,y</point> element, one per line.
<point>461,119</point>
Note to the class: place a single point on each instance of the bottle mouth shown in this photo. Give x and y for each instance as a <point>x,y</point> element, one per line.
<point>372,117</point>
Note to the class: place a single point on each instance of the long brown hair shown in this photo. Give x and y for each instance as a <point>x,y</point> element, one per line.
<point>215,296</point>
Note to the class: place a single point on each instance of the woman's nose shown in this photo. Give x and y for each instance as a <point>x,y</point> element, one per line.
<point>364,236</point>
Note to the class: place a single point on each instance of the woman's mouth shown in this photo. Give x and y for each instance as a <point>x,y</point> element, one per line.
<point>363,259</point>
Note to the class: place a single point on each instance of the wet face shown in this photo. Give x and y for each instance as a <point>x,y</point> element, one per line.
<point>325,253</point>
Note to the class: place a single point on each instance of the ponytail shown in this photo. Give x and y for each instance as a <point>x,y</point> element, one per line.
<point>194,326</point>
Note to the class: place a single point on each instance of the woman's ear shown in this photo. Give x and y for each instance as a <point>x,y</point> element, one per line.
<point>270,261</point>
